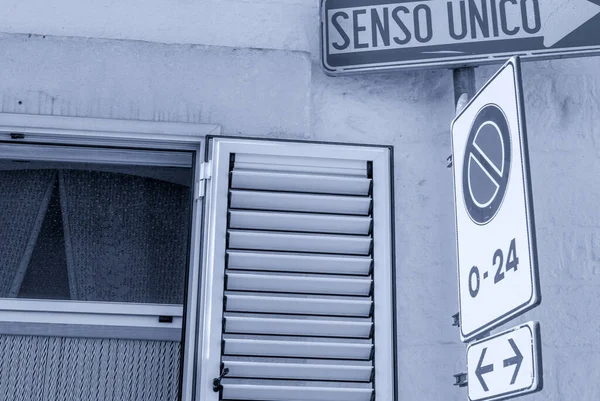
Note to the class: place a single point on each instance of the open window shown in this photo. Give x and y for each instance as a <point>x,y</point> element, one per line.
<point>100,231</point>
<point>297,299</point>
<point>135,265</point>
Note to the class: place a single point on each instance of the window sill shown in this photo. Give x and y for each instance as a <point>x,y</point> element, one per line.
<point>91,319</point>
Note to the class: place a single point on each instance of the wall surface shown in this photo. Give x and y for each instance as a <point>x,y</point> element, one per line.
<point>282,92</point>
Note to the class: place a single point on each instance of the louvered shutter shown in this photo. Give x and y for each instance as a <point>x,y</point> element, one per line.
<point>297,302</point>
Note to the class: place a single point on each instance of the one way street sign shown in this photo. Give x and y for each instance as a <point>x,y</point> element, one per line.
<point>367,35</point>
<point>505,365</point>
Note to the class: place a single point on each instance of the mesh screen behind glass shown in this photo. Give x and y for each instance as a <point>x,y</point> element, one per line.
<point>94,233</point>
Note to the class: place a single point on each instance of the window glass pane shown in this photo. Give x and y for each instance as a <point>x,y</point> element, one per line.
<point>94,232</point>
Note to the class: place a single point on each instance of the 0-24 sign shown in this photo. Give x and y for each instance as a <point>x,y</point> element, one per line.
<point>496,253</point>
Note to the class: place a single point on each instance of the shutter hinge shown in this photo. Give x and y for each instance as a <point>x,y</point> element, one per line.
<point>217,386</point>
<point>205,174</point>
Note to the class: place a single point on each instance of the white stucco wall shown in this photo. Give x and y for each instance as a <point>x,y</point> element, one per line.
<point>284,93</point>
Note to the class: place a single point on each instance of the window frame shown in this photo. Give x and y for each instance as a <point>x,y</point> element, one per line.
<point>107,319</point>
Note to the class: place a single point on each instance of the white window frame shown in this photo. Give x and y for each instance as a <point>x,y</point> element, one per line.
<point>107,319</point>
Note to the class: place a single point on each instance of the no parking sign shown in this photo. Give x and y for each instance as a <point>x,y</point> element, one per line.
<point>496,252</point>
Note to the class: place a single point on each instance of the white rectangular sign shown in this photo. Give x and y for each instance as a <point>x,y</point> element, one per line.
<point>369,35</point>
<point>505,365</point>
<point>496,252</point>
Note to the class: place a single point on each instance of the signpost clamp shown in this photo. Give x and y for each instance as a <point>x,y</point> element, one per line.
<point>456,319</point>
<point>460,379</point>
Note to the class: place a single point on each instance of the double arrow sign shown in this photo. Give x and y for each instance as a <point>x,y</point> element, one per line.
<point>505,364</point>
<point>515,360</point>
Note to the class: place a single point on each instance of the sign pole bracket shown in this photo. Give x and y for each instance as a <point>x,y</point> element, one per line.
<point>456,319</point>
<point>461,380</point>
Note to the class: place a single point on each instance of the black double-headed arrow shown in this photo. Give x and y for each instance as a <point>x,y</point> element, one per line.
<point>515,360</point>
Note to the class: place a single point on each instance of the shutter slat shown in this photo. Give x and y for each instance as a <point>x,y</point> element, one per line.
<point>291,242</point>
<point>294,393</point>
<point>299,284</point>
<point>306,222</point>
<point>359,172</point>
<point>303,263</point>
<point>309,164</point>
<point>297,327</point>
<point>297,349</point>
<point>257,200</point>
<point>300,182</point>
<point>258,370</point>
<point>301,306</point>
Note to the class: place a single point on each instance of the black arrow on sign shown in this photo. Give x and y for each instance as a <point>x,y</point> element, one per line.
<point>481,370</point>
<point>515,360</point>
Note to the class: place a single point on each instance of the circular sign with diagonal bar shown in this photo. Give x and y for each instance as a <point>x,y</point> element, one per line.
<point>486,164</point>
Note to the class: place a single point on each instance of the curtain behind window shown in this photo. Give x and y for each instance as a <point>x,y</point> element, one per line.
<point>95,235</point>
<point>126,236</point>
<point>24,199</point>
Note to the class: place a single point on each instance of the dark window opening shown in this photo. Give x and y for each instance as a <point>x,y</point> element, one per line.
<point>94,232</point>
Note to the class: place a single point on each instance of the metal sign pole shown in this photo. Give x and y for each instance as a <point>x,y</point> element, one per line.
<point>464,89</point>
<point>464,83</point>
